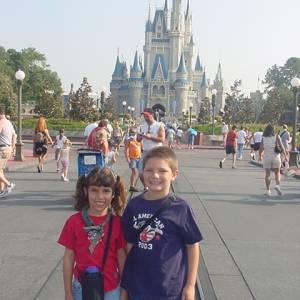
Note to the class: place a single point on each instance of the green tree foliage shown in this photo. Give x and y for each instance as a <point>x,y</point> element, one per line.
<point>273,107</point>
<point>204,111</point>
<point>109,110</point>
<point>79,105</point>
<point>238,109</point>
<point>280,77</point>
<point>36,69</point>
<point>8,99</point>
<point>47,104</point>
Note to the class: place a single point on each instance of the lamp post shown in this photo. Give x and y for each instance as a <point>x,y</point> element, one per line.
<point>213,104</point>
<point>20,75</point>
<point>295,82</point>
<point>132,110</point>
<point>124,105</point>
<point>102,100</point>
<point>191,106</point>
<point>183,112</point>
<point>129,111</point>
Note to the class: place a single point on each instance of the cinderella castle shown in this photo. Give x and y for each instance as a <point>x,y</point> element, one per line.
<point>171,80</point>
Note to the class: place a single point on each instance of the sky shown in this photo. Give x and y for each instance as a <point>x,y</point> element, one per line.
<point>82,38</point>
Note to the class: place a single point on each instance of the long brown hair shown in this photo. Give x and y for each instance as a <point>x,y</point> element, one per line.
<point>41,125</point>
<point>101,177</point>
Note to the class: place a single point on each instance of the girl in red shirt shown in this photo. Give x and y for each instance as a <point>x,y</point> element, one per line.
<point>99,196</point>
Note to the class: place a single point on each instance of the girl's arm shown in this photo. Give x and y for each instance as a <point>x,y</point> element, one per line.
<point>121,261</point>
<point>114,160</point>
<point>261,148</point>
<point>68,265</point>
<point>193,260</point>
<point>48,136</point>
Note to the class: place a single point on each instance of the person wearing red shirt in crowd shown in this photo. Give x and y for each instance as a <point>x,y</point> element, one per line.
<point>230,147</point>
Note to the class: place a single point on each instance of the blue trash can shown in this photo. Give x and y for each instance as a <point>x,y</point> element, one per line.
<point>87,159</point>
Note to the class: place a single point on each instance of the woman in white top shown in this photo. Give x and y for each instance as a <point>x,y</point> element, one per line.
<point>272,159</point>
<point>179,136</point>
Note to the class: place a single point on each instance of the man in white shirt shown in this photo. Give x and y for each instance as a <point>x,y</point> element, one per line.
<point>88,129</point>
<point>224,133</point>
<point>109,129</point>
<point>152,133</point>
<point>242,137</point>
<point>257,137</point>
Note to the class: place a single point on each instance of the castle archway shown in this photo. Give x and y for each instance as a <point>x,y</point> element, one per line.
<point>159,111</point>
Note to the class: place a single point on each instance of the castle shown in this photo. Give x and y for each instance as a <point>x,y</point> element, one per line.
<point>169,81</point>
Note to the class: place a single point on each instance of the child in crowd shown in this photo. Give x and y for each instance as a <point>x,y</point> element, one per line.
<point>163,258</point>
<point>59,140</point>
<point>110,158</point>
<point>170,137</point>
<point>65,158</point>
<point>179,134</point>
<point>133,150</point>
<point>100,198</point>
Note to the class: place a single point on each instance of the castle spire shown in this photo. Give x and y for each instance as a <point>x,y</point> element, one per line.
<point>204,80</point>
<point>149,12</point>
<point>219,73</point>
<point>187,10</point>
<point>166,5</point>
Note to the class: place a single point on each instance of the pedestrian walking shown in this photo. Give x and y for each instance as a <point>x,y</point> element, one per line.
<point>89,128</point>
<point>58,143</point>
<point>179,134</point>
<point>41,139</point>
<point>190,137</point>
<point>111,156</point>
<point>257,139</point>
<point>132,151</point>
<point>231,142</point>
<point>65,158</point>
<point>100,198</point>
<point>272,159</point>
<point>241,140</point>
<point>117,135</point>
<point>163,252</point>
<point>224,133</point>
<point>7,143</point>
<point>170,137</point>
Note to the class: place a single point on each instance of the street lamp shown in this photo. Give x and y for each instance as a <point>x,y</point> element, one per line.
<point>102,100</point>
<point>183,112</point>
<point>20,75</point>
<point>132,110</point>
<point>124,105</point>
<point>129,111</point>
<point>213,104</point>
<point>295,82</point>
<point>191,106</point>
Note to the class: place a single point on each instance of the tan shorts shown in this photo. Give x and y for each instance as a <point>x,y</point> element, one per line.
<point>5,154</point>
<point>272,161</point>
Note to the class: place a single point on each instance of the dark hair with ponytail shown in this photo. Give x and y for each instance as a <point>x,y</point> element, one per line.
<point>101,177</point>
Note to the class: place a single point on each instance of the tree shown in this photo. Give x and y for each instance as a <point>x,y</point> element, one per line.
<point>47,104</point>
<point>8,99</point>
<point>79,105</point>
<point>273,107</point>
<point>204,110</point>
<point>36,69</point>
<point>109,110</point>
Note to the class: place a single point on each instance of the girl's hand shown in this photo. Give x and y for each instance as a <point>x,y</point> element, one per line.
<point>188,293</point>
<point>69,296</point>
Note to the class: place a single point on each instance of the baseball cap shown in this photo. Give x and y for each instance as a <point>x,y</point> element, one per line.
<point>148,111</point>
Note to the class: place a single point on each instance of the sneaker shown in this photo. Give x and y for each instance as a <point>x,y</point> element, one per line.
<point>133,189</point>
<point>62,177</point>
<point>2,194</point>
<point>239,158</point>
<point>278,190</point>
<point>9,189</point>
<point>221,164</point>
<point>233,167</point>
<point>66,179</point>
<point>267,193</point>
<point>57,170</point>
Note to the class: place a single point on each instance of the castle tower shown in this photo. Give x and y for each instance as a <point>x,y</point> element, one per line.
<point>135,84</point>
<point>219,85</point>
<point>181,86</point>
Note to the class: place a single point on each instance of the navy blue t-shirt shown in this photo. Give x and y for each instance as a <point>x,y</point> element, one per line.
<point>156,266</point>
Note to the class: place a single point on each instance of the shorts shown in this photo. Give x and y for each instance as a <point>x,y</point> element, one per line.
<point>230,150</point>
<point>57,153</point>
<point>134,163</point>
<point>272,161</point>
<point>256,146</point>
<point>179,138</point>
<point>191,139</point>
<point>65,163</point>
<point>170,139</point>
<point>5,154</point>
<point>118,140</point>
<point>252,146</point>
<point>77,292</point>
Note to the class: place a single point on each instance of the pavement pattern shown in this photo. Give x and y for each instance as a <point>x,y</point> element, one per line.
<point>251,241</point>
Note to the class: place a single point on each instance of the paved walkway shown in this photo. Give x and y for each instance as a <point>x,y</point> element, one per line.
<point>251,242</point>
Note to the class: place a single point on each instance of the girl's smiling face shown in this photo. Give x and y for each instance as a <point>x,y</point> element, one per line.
<point>158,177</point>
<point>99,199</point>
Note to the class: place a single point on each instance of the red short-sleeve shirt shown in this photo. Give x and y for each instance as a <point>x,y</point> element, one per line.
<point>231,138</point>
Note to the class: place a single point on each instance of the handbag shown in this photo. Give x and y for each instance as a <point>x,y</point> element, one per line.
<point>277,149</point>
<point>93,283</point>
<point>158,212</point>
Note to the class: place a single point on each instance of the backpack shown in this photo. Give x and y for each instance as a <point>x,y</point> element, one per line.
<point>95,137</point>
<point>39,137</point>
<point>193,132</point>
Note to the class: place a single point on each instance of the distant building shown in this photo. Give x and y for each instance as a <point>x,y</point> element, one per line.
<point>257,98</point>
<point>169,79</point>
